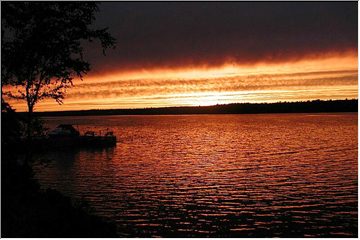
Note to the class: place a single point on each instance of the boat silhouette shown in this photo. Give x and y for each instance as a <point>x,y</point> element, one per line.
<point>65,135</point>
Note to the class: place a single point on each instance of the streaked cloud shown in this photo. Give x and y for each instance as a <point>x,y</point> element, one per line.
<point>277,82</point>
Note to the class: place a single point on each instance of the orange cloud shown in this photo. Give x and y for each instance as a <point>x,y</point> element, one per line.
<point>332,77</point>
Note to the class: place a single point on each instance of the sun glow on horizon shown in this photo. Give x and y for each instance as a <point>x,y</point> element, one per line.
<point>331,77</point>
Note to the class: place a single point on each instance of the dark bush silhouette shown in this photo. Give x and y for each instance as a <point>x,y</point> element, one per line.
<point>28,211</point>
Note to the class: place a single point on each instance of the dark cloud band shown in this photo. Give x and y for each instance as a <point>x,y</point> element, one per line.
<point>212,33</point>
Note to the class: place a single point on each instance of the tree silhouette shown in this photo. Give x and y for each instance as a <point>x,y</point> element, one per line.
<point>42,48</point>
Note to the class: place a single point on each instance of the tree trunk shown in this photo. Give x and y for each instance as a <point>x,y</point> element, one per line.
<point>29,134</point>
<point>29,127</point>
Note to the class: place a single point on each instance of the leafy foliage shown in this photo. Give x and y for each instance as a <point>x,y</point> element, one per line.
<point>42,47</point>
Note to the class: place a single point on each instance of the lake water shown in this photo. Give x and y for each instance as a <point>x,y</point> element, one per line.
<point>262,175</point>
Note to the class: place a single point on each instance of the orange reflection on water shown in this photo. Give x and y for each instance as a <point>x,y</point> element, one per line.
<point>217,175</point>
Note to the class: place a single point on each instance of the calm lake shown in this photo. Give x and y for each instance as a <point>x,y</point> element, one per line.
<point>261,175</point>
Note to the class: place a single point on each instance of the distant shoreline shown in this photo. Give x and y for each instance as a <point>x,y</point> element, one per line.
<point>315,106</point>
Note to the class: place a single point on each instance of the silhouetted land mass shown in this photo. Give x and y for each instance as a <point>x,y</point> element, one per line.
<point>234,108</point>
<point>28,211</point>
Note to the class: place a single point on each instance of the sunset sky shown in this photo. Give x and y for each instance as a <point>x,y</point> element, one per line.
<point>205,53</point>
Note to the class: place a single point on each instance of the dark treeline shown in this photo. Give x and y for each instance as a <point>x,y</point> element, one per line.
<point>235,108</point>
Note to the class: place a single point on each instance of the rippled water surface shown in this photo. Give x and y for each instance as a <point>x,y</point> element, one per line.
<point>216,175</point>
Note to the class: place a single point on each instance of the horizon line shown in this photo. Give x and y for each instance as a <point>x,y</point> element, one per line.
<point>196,106</point>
